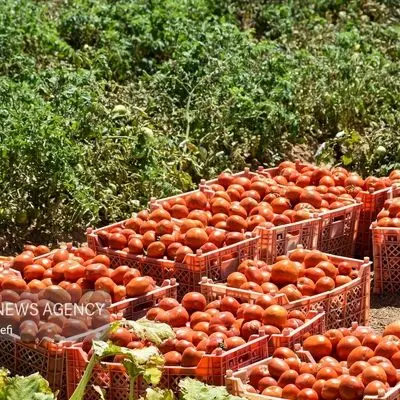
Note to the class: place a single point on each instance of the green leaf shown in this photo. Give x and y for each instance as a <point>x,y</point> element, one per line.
<point>104,349</point>
<point>153,375</point>
<point>347,159</point>
<point>155,332</point>
<point>31,387</point>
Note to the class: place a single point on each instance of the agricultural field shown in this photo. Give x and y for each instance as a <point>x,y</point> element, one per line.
<point>105,104</point>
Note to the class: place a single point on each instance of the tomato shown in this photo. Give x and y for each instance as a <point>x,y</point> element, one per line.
<point>194,301</point>
<point>345,347</point>
<point>372,373</point>
<point>351,388</point>
<point>257,373</point>
<point>73,272</point>
<point>121,337</point>
<point>275,315</point>
<point>33,271</point>
<point>196,201</point>
<point>318,345</point>
<point>95,271</point>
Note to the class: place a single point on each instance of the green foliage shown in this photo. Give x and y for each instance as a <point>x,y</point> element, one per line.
<point>33,387</point>
<point>104,104</point>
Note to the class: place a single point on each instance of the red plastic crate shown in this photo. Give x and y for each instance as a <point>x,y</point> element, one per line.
<point>338,230</point>
<point>24,359</point>
<point>211,369</point>
<point>217,264</point>
<point>279,240</point>
<point>372,204</point>
<point>342,305</point>
<point>386,249</point>
<point>235,381</point>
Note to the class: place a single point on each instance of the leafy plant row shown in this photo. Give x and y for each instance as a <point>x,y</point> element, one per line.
<point>104,104</point>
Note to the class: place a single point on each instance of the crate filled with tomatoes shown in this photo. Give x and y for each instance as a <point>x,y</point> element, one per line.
<point>56,299</point>
<point>250,202</point>
<point>347,364</point>
<point>209,339</point>
<point>302,213</point>
<point>162,246</point>
<point>371,192</point>
<point>80,272</point>
<point>303,280</point>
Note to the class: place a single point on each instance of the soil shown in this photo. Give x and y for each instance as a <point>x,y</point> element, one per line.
<point>384,310</point>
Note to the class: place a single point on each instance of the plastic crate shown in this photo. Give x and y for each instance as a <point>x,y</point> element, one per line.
<point>211,369</point>
<point>386,249</point>
<point>338,230</point>
<point>279,240</point>
<point>24,359</point>
<point>342,305</point>
<point>372,203</point>
<point>235,381</point>
<point>217,264</point>
<point>137,307</point>
<point>4,260</point>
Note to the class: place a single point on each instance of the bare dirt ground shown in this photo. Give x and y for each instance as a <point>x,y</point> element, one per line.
<point>384,310</point>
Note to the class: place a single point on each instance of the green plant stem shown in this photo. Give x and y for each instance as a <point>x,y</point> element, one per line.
<point>79,392</point>
<point>131,387</point>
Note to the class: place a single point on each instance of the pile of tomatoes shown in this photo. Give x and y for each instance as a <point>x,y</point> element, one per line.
<point>389,217</point>
<point>158,235</point>
<point>218,326</point>
<point>308,176</point>
<point>302,273</point>
<point>77,270</point>
<point>349,364</point>
<point>76,276</point>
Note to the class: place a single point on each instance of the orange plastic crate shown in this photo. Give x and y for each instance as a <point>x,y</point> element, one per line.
<point>217,264</point>
<point>386,249</point>
<point>211,369</point>
<point>49,360</point>
<point>372,203</point>
<point>338,230</point>
<point>279,240</point>
<point>342,305</point>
